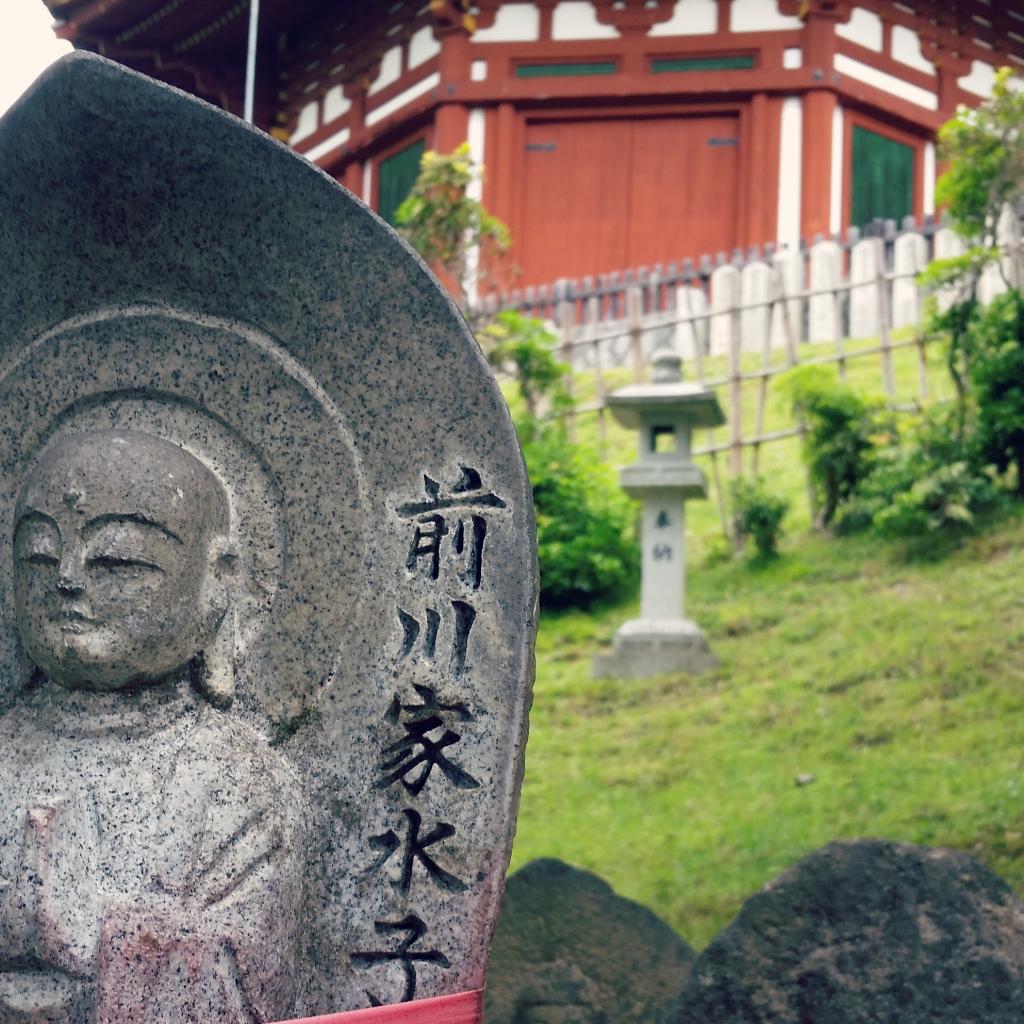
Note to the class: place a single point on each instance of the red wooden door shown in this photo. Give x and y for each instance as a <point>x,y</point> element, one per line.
<point>577,199</point>
<point>611,193</point>
<point>683,188</point>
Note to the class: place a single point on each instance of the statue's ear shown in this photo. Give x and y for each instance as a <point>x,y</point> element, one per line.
<point>213,669</point>
<point>223,560</point>
<point>215,666</point>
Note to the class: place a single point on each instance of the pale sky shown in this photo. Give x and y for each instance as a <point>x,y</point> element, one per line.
<point>27,46</point>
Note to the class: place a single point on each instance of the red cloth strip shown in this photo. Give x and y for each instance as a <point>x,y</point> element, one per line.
<point>464,1008</point>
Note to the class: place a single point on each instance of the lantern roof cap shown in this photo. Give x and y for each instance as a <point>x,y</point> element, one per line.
<point>681,401</point>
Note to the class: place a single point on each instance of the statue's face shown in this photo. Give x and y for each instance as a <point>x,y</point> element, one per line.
<point>113,547</point>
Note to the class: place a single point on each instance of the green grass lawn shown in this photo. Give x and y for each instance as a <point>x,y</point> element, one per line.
<point>897,684</point>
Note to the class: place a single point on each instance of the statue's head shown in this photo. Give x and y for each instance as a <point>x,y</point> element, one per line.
<point>122,562</point>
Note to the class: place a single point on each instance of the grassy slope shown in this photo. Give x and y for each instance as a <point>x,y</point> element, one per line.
<point>899,685</point>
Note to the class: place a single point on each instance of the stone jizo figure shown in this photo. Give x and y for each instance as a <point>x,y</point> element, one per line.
<point>145,833</point>
<point>266,630</point>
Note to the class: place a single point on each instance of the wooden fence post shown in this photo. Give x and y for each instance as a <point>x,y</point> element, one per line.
<point>592,320</point>
<point>840,346</point>
<point>922,366</point>
<point>775,295</point>
<point>735,391</point>
<point>566,322</point>
<point>792,358</point>
<point>697,325</point>
<point>884,320</point>
<point>635,318</point>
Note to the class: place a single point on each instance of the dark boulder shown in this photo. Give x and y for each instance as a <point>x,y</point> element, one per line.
<point>568,950</point>
<point>868,931</point>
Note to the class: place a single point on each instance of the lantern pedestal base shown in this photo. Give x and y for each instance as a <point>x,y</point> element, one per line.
<point>649,647</point>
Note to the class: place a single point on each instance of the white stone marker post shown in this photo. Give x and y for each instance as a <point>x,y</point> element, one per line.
<point>665,412</point>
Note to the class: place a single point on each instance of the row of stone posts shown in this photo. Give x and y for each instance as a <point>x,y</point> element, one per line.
<point>825,301</point>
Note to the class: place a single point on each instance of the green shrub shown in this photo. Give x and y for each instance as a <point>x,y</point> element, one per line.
<point>758,514</point>
<point>443,223</point>
<point>586,541</point>
<point>926,480</point>
<point>841,432</point>
<point>523,347</point>
<point>996,370</point>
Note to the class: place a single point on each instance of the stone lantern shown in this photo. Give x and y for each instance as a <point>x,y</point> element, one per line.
<point>665,413</point>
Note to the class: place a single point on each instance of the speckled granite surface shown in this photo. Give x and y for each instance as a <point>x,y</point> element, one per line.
<point>267,624</point>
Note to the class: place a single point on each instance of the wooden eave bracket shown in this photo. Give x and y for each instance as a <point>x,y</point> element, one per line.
<point>833,10</point>
<point>72,28</point>
<point>944,57</point>
<point>452,16</point>
<point>636,18</point>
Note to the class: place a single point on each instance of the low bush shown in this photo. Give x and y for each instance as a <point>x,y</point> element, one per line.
<point>586,536</point>
<point>927,479</point>
<point>995,349</point>
<point>841,434</point>
<point>758,514</point>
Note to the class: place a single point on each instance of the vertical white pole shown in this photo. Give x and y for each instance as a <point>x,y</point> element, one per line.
<point>250,63</point>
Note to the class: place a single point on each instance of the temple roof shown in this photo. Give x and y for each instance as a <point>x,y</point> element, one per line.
<point>306,46</point>
<point>201,47</point>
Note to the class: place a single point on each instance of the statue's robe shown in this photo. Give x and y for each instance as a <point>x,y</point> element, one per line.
<point>144,837</point>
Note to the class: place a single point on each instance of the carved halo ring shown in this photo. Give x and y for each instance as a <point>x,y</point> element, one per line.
<point>237,400</point>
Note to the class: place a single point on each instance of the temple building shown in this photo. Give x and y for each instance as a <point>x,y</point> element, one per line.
<point>615,133</point>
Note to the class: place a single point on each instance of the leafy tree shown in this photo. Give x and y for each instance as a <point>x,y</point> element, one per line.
<point>985,150</point>
<point>997,378</point>
<point>524,347</point>
<point>444,224</point>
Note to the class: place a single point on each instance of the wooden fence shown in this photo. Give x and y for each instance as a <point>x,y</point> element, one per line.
<point>835,303</point>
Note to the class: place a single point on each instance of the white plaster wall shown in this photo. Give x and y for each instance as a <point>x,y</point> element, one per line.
<point>928,200</point>
<point>475,190</point>
<point>368,182</point>
<point>404,97</point>
<point>906,48</point>
<point>835,196</point>
<point>390,70</point>
<point>513,23</point>
<point>335,104</point>
<point>791,146</point>
<point>887,83</point>
<point>323,148</point>
<point>759,16</point>
<point>577,19</point>
<point>422,47</point>
<point>308,122</point>
<point>689,18</point>
<point>478,71</point>
<point>863,28</point>
<point>980,80</point>
<point>792,57</point>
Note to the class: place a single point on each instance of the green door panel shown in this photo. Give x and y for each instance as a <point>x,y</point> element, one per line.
<point>882,182</point>
<point>398,174</point>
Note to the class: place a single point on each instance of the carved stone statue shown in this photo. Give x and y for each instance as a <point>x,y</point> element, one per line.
<point>146,835</point>
<point>267,582</point>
